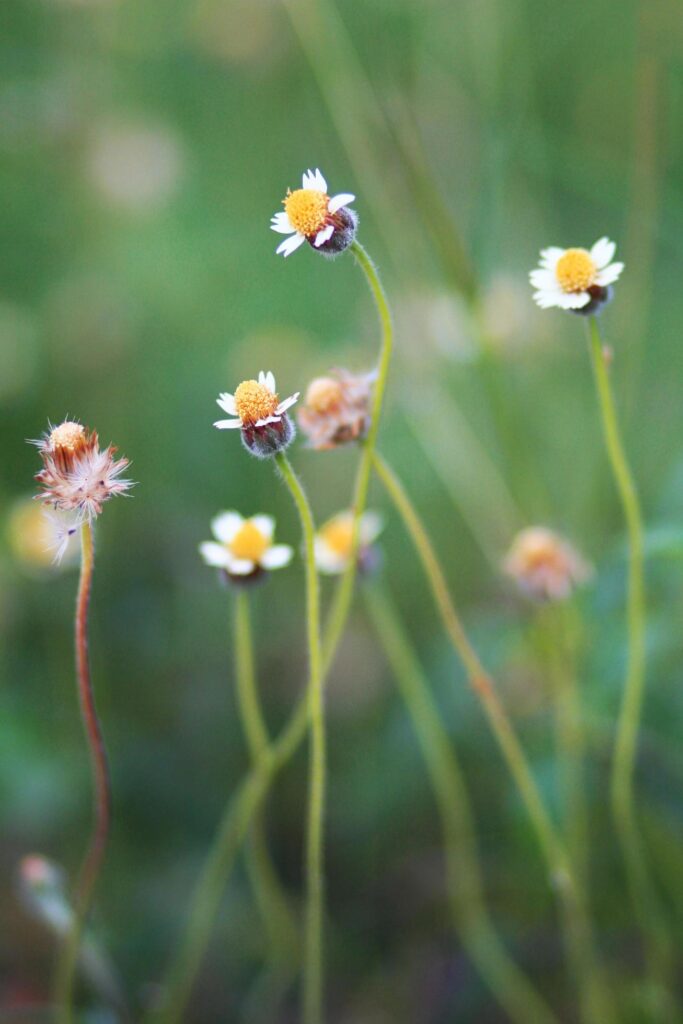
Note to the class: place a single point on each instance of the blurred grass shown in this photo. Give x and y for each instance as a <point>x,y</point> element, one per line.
<point>144,146</point>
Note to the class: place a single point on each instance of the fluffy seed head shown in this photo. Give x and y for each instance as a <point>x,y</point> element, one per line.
<point>575,270</point>
<point>307,210</point>
<point>324,394</point>
<point>254,401</point>
<point>337,409</point>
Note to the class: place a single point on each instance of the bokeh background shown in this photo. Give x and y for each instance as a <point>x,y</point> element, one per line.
<point>144,145</point>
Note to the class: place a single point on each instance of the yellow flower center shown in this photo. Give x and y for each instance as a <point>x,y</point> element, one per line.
<point>249,542</point>
<point>254,401</point>
<point>338,535</point>
<point>307,210</point>
<point>575,270</point>
<point>68,437</point>
<point>324,395</point>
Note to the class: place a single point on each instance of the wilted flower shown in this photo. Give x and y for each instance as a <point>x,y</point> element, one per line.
<point>261,416</point>
<point>310,215</point>
<point>336,409</point>
<point>544,565</point>
<point>77,477</point>
<point>334,542</point>
<point>244,548</point>
<point>576,279</point>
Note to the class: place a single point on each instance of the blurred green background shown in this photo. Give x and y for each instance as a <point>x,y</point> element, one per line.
<point>144,146</point>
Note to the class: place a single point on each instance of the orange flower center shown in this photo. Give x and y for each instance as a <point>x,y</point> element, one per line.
<point>68,437</point>
<point>324,395</point>
<point>249,542</point>
<point>307,210</point>
<point>575,270</point>
<point>338,535</point>
<point>254,401</point>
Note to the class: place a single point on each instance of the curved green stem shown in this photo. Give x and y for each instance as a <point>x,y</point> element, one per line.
<point>596,1001</point>
<point>92,864</point>
<point>268,891</point>
<point>657,944</point>
<point>511,987</point>
<point>313,940</point>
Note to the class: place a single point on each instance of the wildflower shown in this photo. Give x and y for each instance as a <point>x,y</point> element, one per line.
<point>336,409</point>
<point>77,477</point>
<point>544,565</point>
<point>243,548</point>
<point>576,279</point>
<point>310,215</point>
<point>260,415</point>
<point>334,541</point>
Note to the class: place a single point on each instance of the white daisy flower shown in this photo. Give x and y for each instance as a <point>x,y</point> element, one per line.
<point>242,547</point>
<point>255,404</point>
<point>334,540</point>
<point>571,278</point>
<point>310,215</point>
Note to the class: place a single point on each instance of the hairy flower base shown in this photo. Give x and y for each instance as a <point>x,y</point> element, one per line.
<point>599,298</point>
<point>266,441</point>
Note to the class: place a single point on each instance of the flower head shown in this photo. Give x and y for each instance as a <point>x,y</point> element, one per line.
<point>260,415</point>
<point>576,279</point>
<point>310,215</point>
<point>334,541</point>
<point>244,548</point>
<point>544,565</point>
<point>336,409</point>
<point>77,477</point>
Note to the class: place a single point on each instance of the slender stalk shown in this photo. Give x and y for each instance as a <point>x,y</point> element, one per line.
<point>245,802</point>
<point>270,897</point>
<point>314,938</point>
<point>645,900</point>
<point>596,1004</point>
<point>94,857</point>
<point>471,919</point>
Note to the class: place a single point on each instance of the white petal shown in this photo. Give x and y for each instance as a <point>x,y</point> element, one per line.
<point>308,179</point>
<point>314,180</point>
<point>280,222</point>
<point>227,403</point>
<point>288,402</point>
<point>323,235</point>
<point>225,525</point>
<point>343,199</point>
<point>603,252</point>
<point>550,257</point>
<point>227,424</point>
<point>610,274</point>
<point>267,379</point>
<point>327,560</point>
<point>240,566</point>
<point>214,554</point>
<point>371,525</point>
<point>277,556</point>
<point>546,299</point>
<point>290,244</point>
<point>266,421</point>
<point>543,279</point>
<point>265,526</point>
<point>574,300</point>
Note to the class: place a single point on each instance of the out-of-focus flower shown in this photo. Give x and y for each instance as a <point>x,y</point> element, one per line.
<point>334,541</point>
<point>310,215</point>
<point>260,415</point>
<point>135,166</point>
<point>506,316</point>
<point>244,548</point>
<point>41,884</point>
<point>40,537</point>
<point>575,279</point>
<point>336,409</point>
<point>77,477</point>
<point>544,565</point>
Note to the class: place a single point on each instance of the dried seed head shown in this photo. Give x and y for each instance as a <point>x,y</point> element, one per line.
<point>337,409</point>
<point>544,565</point>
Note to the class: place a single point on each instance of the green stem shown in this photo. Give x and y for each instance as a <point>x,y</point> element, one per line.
<point>643,895</point>
<point>595,999</point>
<point>245,802</point>
<point>313,940</point>
<point>270,897</point>
<point>92,864</point>
<point>510,986</point>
